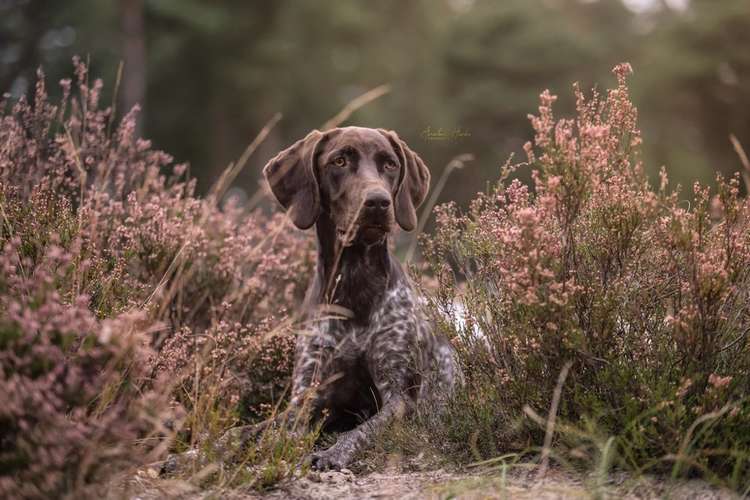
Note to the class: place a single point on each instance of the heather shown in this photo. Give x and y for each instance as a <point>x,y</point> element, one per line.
<point>602,320</point>
<point>601,317</point>
<point>136,316</point>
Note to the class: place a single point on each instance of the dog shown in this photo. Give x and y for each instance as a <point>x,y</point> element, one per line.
<point>355,185</point>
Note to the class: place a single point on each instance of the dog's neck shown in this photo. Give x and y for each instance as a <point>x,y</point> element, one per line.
<point>354,277</point>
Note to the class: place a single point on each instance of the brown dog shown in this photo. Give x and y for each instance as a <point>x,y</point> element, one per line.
<point>355,185</point>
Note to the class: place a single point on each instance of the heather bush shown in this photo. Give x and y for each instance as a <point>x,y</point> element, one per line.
<point>122,289</point>
<point>72,408</point>
<point>644,296</point>
<point>138,318</point>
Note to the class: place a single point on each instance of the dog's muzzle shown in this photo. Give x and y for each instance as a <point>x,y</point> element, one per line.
<point>374,221</point>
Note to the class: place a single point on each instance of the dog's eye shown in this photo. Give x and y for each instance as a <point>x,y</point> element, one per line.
<point>339,161</point>
<point>390,165</point>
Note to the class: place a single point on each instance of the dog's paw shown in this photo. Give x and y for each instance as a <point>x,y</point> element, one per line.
<point>330,459</point>
<point>178,462</point>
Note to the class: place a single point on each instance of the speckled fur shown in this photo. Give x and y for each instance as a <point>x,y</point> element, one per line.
<point>373,370</point>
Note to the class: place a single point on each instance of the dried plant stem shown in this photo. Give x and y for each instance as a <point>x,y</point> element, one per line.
<point>551,417</point>
<point>233,169</point>
<point>743,159</point>
<point>115,95</point>
<point>354,105</point>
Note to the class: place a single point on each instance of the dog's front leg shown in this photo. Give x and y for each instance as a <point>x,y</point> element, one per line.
<point>350,443</point>
<point>390,362</point>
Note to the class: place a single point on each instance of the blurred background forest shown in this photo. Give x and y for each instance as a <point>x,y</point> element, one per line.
<point>211,73</point>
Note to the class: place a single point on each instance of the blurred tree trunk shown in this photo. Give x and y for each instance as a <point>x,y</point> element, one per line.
<point>134,55</point>
<point>35,16</point>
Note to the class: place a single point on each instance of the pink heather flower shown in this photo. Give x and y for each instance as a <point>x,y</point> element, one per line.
<point>527,216</point>
<point>544,123</point>
<point>528,147</point>
<point>719,382</point>
<point>622,71</point>
<point>717,208</point>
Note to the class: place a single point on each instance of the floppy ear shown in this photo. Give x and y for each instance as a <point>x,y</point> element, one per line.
<point>413,184</point>
<point>291,176</point>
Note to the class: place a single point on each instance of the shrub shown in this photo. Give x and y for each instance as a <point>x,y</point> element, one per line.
<point>645,294</point>
<point>72,408</point>
<point>121,287</point>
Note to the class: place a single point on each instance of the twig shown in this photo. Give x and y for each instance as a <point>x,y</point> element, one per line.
<point>743,159</point>
<point>233,169</point>
<point>551,417</point>
<point>115,95</point>
<point>735,341</point>
<point>334,122</point>
<point>354,105</point>
<point>334,277</point>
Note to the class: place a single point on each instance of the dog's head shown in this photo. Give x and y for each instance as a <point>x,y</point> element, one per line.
<point>364,179</point>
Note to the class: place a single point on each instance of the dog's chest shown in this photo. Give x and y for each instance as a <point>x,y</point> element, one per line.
<point>346,341</point>
<point>349,340</point>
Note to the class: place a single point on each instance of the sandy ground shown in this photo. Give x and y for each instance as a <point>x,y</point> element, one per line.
<point>439,484</point>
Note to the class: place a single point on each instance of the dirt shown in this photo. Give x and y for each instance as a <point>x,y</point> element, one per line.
<point>439,484</point>
<point>515,485</point>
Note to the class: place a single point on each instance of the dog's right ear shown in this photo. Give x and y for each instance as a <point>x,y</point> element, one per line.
<point>291,176</point>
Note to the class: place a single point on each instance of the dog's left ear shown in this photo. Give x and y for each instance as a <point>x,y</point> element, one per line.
<point>413,183</point>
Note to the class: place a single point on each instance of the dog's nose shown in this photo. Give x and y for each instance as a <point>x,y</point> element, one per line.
<point>378,200</point>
